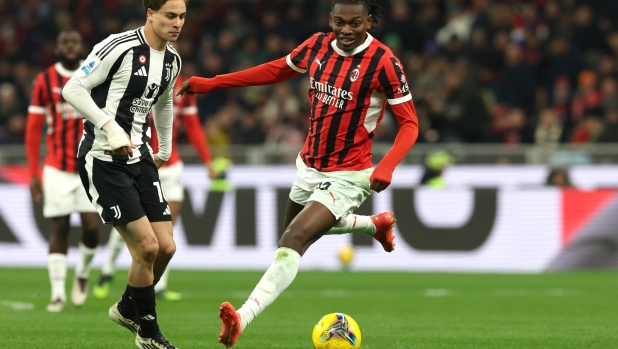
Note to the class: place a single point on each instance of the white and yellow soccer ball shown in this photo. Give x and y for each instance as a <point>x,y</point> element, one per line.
<point>336,331</point>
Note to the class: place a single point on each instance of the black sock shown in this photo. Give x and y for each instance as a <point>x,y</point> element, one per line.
<point>144,303</point>
<point>125,306</point>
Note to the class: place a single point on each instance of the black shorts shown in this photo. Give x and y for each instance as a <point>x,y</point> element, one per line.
<point>122,192</point>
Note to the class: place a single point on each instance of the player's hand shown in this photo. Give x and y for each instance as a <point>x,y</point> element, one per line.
<point>377,186</point>
<point>212,174</point>
<point>157,160</point>
<point>124,151</point>
<point>185,88</point>
<point>36,189</point>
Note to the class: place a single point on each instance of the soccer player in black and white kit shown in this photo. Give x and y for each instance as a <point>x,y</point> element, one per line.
<point>123,78</point>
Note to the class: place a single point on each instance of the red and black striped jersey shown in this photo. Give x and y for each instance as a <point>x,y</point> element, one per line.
<point>348,94</point>
<point>64,124</point>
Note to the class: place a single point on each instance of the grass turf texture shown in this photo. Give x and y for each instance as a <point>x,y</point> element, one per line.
<point>394,310</point>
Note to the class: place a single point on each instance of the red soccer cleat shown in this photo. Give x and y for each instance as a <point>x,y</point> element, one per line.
<point>384,223</point>
<point>230,325</point>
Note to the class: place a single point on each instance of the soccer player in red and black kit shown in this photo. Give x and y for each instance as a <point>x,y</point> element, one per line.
<point>352,77</point>
<point>61,189</point>
<point>170,175</point>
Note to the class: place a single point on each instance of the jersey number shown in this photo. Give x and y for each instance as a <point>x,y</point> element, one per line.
<point>324,185</point>
<point>159,191</point>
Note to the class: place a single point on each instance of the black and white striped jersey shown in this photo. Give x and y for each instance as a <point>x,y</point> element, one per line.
<point>126,77</point>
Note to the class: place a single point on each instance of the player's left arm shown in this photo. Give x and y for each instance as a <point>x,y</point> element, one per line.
<point>195,133</point>
<point>394,85</point>
<point>163,117</point>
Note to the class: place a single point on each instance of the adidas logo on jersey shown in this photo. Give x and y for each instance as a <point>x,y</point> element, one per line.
<point>167,211</point>
<point>141,72</point>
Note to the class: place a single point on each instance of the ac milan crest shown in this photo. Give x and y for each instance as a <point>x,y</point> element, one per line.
<point>354,75</point>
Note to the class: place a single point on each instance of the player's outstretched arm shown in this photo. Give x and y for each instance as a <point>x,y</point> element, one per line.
<point>405,113</point>
<point>265,74</point>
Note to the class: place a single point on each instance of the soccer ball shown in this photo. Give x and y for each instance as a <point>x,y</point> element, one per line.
<point>336,331</point>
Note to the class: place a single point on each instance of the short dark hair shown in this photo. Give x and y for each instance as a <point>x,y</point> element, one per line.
<point>372,6</point>
<point>156,5</point>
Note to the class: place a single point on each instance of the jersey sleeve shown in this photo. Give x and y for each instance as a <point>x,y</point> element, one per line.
<point>38,102</point>
<point>96,68</point>
<point>392,81</point>
<point>299,58</point>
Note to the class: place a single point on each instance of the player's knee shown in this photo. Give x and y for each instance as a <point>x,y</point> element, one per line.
<point>167,251</point>
<point>148,250</point>
<point>294,236</point>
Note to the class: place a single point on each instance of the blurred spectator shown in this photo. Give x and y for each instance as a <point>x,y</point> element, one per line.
<point>549,131</point>
<point>610,133</point>
<point>559,177</point>
<point>518,84</point>
<point>587,98</point>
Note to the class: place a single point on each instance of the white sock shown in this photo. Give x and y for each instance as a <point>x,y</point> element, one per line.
<point>276,279</point>
<point>82,269</point>
<point>162,284</point>
<point>114,245</point>
<point>353,223</point>
<point>57,267</point>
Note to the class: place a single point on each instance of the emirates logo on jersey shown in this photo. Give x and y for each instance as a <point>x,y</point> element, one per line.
<point>354,75</point>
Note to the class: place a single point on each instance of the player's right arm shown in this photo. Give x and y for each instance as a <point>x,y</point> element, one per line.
<point>280,70</point>
<point>77,92</point>
<point>34,130</point>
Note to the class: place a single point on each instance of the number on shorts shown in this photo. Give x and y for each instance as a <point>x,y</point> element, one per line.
<point>324,185</point>
<point>159,191</point>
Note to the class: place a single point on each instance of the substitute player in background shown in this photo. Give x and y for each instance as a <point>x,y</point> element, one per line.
<point>352,78</point>
<point>170,174</point>
<point>61,189</point>
<point>125,77</point>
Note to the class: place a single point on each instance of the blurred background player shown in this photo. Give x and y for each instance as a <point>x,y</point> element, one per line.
<point>61,189</point>
<point>352,77</point>
<point>170,175</point>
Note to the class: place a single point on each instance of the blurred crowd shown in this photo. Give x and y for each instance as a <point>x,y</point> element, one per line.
<point>503,71</point>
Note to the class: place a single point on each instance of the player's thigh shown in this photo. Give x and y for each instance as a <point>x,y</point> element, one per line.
<point>139,236</point>
<point>171,182</point>
<point>112,189</point>
<point>291,211</point>
<point>151,195</point>
<point>307,227</point>
<point>58,192</point>
<point>306,180</point>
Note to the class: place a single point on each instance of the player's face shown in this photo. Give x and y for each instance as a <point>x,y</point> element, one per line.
<point>168,21</point>
<point>69,47</point>
<point>350,24</point>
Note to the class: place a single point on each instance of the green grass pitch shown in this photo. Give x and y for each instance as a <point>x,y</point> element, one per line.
<point>394,310</point>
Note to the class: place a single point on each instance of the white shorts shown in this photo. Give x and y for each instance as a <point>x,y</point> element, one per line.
<point>171,182</point>
<point>63,193</point>
<point>341,192</point>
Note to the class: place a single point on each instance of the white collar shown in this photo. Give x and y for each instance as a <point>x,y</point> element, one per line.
<point>64,71</point>
<point>360,48</point>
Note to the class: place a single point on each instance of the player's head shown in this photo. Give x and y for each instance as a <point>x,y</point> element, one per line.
<point>69,47</point>
<point>166,17</point>
<point>350,20</point>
